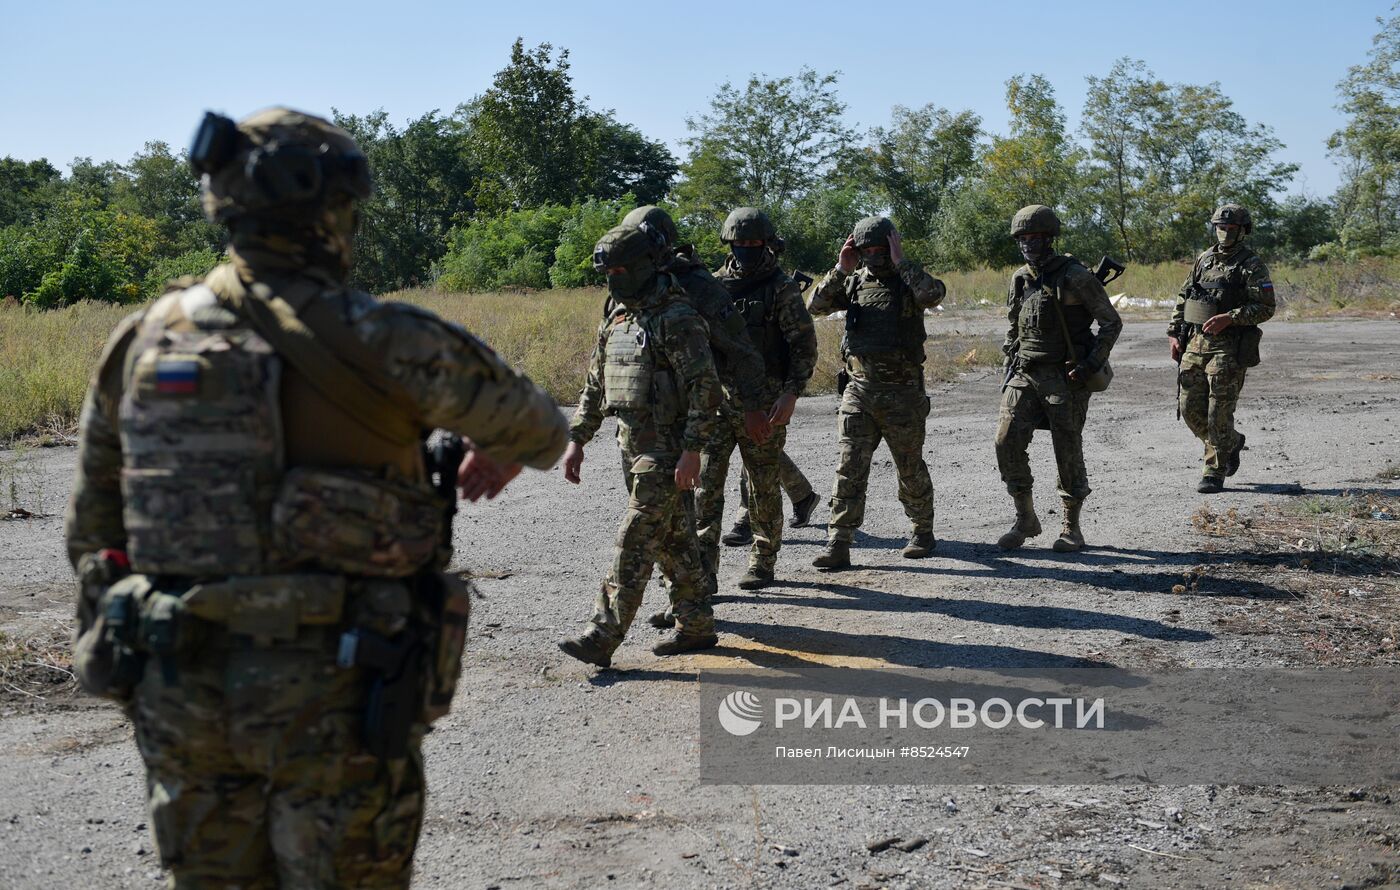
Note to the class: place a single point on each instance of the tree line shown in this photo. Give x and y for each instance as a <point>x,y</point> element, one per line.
<point>512,188</point>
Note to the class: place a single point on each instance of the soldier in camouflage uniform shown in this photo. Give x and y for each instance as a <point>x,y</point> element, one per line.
<point>884,297</point>
<point>653,371</point>
<point>258,537</point>
<point>779,325</point>
<point>1053,299</point>
<point>794,484</point>
<point>1214,335</point>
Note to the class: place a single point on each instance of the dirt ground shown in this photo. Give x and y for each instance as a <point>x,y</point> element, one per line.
<point>550,774</point>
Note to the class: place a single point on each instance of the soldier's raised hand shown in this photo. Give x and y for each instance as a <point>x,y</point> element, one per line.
<point>896,247</point>
<point>850,257</point>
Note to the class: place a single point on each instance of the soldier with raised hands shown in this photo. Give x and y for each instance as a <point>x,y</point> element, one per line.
<point>884,295</point>
<point>652,370</point>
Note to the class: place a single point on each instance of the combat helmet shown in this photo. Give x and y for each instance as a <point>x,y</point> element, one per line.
<point>654,217</point>
<point>873,231</point>
<point>276,163</point>
<point>626,246</point>
<point>1035,218</point>
<point>747,224</point>
<point>1232,215</point>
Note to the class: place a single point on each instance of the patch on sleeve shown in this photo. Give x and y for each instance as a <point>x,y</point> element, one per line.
<point>177,377</point>
<point>1266,285</point>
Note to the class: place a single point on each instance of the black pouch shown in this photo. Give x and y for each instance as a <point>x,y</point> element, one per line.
<point>1247,353</point>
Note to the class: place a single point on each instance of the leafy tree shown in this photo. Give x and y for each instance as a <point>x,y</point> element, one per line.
<point>587,222</point>
<point>1163,157</point>
<point>512,249</point>
<point>25,189</point>
<point>1368,201</point>
<point>423,180</point>
<point>160,186</point>
<point>919,160</point>
<point>764,146</point>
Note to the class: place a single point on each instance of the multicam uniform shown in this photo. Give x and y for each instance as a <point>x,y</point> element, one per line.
<point>1038,395</point>
<point>263,520</point>
<point>1231,280</point>
<point>883,349</point>
<point>770,303</point>
<point>653,371</point>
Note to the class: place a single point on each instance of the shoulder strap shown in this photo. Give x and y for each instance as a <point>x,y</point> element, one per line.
<point>347,374</point>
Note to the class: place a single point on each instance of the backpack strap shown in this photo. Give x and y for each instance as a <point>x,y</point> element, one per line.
<point>306,331</point>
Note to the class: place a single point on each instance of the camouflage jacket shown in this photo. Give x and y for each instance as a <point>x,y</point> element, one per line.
<point>1077,287</point>
<point>456,381</point>
<point>678,340</point>
<point>1242,263</point>
<point>737,359</point>
<point>788,341</point>
<point>832,294</point>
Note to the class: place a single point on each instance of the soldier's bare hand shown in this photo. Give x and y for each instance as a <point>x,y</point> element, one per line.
<point>782,409</point>
<point>896,247</point>
<point>850,257</point>
<point>1217,323</point>
<point>573,462</point>
<point>481,476</point>
<point>688,470</point>
<point>1176,349</point>
<point>757,426</point>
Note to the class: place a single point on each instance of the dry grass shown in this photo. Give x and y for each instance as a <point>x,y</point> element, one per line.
<point>1339,557</point>
<point>38,665</point>
<point>46,357</point>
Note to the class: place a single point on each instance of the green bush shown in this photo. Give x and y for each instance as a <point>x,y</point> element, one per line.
<point>513,249</point>
<point>194,262</point>
<point>589,221</point>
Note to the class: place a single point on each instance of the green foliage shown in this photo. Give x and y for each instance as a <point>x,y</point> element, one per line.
<point>589,221</point>
<point>25,189</point>
<point>1368,146</point>
<point>195,263</point>
<point>510,250</point>
<point>919,162</point>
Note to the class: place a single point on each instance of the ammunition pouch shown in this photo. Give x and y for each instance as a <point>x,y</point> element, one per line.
<point>1248,338</point>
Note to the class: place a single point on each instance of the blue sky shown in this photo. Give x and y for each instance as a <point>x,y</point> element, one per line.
<point>100,79</point>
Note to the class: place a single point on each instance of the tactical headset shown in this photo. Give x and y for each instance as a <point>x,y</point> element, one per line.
<point>283,173</point>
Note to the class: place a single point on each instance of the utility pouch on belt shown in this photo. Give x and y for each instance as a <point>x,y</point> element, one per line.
<point>396,686</point>
<point>355,522</point>
<point>105,658</point>
<point>1249,336</point>
<point>450,599</point>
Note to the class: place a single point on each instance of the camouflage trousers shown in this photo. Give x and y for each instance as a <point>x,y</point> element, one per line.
<point>898,416</point>
<point>1210,389</point>
<point>794,485</point>
<point>657,530</point>
<point>1040,397</point>
<point>257,775</point>
<point>762,464</point>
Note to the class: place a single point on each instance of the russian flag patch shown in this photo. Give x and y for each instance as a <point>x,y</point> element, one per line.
<point>177,377</point>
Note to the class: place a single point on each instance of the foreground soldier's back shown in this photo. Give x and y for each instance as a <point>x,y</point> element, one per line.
<point>251,451</point>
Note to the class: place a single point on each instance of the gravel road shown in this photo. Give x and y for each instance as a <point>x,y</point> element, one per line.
<point>549,774</point>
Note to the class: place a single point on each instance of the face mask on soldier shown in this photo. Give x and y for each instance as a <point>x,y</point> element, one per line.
<point>1226,236</point>
<point>877,260</point>
<point>748,254</point>
<point>1035,249</point>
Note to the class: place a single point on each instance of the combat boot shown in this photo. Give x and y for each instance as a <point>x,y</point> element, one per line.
<point>1027,524</point>
<point>680,642</point>
<point>920,545</point>
<point>662,620</point>
<point>802,510</point>
<point>588,648</point>
<point>741,535</point>
<point>1210,485</point>
<point>1232,463</point>
<point>837,556</point>
<point>1071,539</point>
<point>756,578</point>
